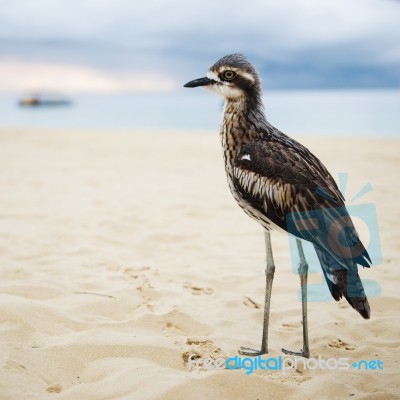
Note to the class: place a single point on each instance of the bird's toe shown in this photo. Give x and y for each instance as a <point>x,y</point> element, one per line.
<point>247,351</point>
<point>301,353</point>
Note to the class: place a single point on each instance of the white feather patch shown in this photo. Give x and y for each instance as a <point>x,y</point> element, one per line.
<point>331,278</point>
<point>222,88</point>
<point>213,76</point>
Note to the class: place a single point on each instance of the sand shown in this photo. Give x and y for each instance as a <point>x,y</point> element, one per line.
<point>121,253</point>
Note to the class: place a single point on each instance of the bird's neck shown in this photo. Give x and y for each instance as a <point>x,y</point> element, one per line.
<point>243,122</point>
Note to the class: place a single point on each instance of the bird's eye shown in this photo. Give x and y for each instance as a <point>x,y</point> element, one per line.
<point>229,75</point>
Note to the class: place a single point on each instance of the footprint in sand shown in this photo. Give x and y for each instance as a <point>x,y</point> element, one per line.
<point>339,344</point>
<point>292,325</point>
<point>201,348</point>
<point>144,286</point>
<point>54,388</point>
<point>134,273</point>
<point>197,290</point>
<point>248,302</point>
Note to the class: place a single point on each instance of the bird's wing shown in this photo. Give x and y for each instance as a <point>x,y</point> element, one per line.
<point>289,185</point>
<point>307,157</point>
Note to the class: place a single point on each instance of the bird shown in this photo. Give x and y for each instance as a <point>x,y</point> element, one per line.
<point>280,184</point>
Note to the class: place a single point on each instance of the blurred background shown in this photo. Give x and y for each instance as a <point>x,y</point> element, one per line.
<point>328,67</point>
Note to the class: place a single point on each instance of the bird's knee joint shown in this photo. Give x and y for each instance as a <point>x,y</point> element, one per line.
<point>270,270</point>
<point>302,268</point>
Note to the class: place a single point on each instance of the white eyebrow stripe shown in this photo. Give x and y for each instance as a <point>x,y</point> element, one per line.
<point>212,75</point>
<point>247,76</point>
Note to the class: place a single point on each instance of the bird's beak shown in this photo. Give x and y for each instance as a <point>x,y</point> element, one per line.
<point>199,82</point>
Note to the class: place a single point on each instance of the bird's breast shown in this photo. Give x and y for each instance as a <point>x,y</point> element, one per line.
<point>248,188</point>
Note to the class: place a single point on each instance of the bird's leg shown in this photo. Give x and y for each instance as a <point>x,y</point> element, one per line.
<point>303,272</point>
<point>269,277</point>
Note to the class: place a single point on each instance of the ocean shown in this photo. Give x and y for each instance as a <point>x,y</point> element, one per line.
<point>355,113</point>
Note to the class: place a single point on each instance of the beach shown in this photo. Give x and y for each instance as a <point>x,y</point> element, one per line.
<point>123,253</point>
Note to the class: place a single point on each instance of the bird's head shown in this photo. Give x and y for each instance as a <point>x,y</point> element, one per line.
<point>232,77</point>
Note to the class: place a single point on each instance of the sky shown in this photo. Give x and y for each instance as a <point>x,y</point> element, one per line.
<point>108,46</point>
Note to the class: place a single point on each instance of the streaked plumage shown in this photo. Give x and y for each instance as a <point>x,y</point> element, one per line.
<point>274,179</point>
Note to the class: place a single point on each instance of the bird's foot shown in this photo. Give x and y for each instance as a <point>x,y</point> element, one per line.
<point>301,353</point>
<point>247,351</point>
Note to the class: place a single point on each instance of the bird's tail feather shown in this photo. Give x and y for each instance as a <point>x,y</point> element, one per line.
<point>344,282</point>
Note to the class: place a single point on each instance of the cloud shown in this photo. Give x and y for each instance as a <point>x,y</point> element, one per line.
<point>18,76</point>
<point>172,38</point>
